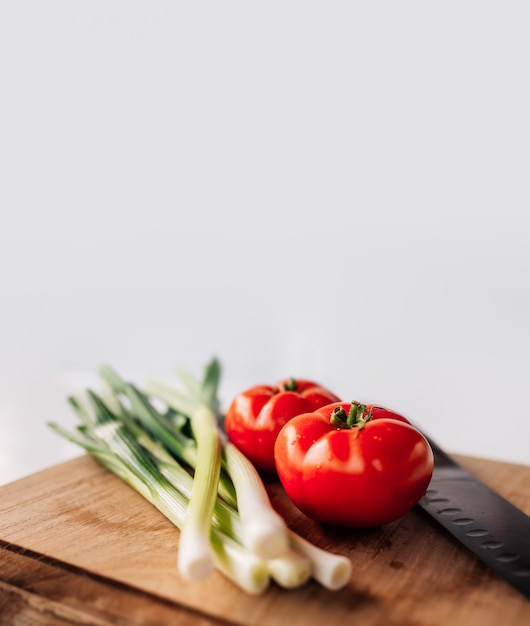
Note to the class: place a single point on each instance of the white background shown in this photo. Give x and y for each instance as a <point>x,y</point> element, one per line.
<point>336,190</point>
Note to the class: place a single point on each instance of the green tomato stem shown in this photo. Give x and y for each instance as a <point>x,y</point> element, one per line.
<point>291,385</point>
<point>357,416</point>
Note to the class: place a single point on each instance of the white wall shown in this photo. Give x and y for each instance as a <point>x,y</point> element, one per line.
<point>335,190</point>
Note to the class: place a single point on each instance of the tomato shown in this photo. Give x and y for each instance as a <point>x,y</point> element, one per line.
<point>256,416</point>
<point>353,465</point>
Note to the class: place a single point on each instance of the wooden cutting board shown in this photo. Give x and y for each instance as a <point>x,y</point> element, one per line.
<point>78,546</point>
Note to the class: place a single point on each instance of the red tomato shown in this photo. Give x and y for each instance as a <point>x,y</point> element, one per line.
<point>365,474</point>
<point>256,416</point>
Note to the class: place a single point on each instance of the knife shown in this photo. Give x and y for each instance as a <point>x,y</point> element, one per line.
<point>495,531</point>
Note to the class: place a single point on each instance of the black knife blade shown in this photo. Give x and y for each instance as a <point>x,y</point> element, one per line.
<point>495,530</point>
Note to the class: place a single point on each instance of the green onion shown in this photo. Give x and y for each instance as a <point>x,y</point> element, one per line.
<point>332,571</point>
<point>169,428</point>
<point>121,455</point>
<point>264,531</point>
<point>178,458</point>
<point>291,570</point>
<point>195,559</point>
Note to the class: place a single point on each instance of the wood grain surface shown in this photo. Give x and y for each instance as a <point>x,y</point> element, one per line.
<point>78,546</point>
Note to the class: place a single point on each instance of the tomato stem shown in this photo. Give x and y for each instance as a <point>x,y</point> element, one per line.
<point>357,416</point>
<point>351,420</point>
<point>291,385</point>
<point>339,417</point>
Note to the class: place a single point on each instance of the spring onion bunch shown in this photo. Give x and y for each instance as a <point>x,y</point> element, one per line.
<point>167,444</point>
